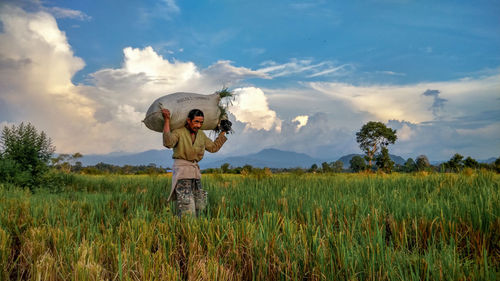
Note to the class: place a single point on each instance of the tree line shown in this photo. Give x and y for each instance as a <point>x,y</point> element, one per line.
<point>26,159</point>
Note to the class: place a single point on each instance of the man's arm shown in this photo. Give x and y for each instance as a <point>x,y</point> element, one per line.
<point>214,146</point>
<point>169,139</point>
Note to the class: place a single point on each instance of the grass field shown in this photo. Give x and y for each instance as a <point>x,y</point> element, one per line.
<point>282,227</point>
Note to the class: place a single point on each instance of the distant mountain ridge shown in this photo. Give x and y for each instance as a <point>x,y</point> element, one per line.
<point>158,157</point>
<point>272,158</point>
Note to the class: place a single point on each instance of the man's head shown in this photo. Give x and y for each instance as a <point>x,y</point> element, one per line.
<point>195,120</point>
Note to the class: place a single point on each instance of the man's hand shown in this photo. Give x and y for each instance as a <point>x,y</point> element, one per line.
<point>166,113</point>
<point>225,126</point>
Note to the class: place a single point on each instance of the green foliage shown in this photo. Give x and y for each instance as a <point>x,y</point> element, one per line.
<point>422,163</point>
<point>455,164</point>
<point>25,154</point>
<point>224,93</point>
<point>225,168</point>
<point>337,166</point>
<point>314,168</point>
<point>357,164</point>
<point>383,161</point>
<point>373,136</point>
<point>67,162</point>
<point>104,168</point>
<point>471,163</point>
<point>410,166</point>
<point>11,172</point>
<point>325,167</point>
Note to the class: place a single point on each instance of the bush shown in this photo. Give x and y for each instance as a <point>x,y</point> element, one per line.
<point>11,172</point>
<point>25,155</point>
<point>357,164</point>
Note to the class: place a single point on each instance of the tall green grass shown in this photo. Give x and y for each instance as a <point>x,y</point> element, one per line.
<point>282,227</point>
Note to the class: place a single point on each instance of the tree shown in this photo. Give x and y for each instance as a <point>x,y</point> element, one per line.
<point>64,162</point>
<point>313,169</point>
<point>325,167</point>
<point>357,163</point>
<point>337,166</point>
<point>496,165</point>
<point>383,161</point>
<point>27,150</point>
<point>471,163</point>
<point>372,137</point>
<point>247,169</point>
<point>410,165</point>
<point>224,168</point>
<point>422,163</point>
<point>455,164</point>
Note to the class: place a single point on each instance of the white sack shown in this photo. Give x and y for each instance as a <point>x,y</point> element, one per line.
<point>179,105</point>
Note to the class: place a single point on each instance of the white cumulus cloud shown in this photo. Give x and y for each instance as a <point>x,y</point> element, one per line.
<point>37,65</point>
<point>250,106</point>
<point>301,121</point>
<point>320,118</point>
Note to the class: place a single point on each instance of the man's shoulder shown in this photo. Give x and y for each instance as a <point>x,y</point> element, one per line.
<point>179,130</point>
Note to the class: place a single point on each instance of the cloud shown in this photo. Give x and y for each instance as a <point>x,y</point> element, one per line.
<point>163,9</point>
<point>224,73</point>
<point>59,12</point>
<point>301,121</point>
<point>392,73</point>
<point>405,133</point>
<point>438,103</point>
<point>250,106</point>
<point>320,137</point>
<point>406,102</point>
<point>304,66</point>
<point>440,140</point>
<point>37,6</point>
<point>171,6</point>
<point>104,115</point>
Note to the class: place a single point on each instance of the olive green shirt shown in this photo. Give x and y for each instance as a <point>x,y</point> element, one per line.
<point>180,140</point>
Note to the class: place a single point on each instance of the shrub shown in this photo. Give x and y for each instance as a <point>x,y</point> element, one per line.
<point>25,154</point>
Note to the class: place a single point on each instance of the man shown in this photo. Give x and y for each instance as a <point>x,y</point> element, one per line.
<point>189,144</point>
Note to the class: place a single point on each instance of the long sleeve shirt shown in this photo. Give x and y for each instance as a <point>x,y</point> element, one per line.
<point>181,142</point>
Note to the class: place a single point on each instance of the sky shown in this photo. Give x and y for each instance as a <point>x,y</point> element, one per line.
<point>307,74</point>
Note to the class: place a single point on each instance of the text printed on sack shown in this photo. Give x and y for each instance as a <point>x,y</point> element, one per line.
<point>185,99</point>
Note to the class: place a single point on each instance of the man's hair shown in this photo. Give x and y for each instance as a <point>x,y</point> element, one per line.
<point>195,112</point>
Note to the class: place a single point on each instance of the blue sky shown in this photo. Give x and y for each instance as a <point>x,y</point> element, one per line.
<point>309,74</point>
<point>420,40</point>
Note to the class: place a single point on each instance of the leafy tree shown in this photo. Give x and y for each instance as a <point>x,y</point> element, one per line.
<point>224,168</point>
<point>357,163</point>
<point>325,167</point>
<point>297,171</point>
<point>372,137</point>
<point>337,166</point>
<point>247,169</point>
<point>64,162</point>
<point>313,169</point>
<point>383,160</point>
<point>422,163</point>
<point>455,164</point>
<point>471,163</point>
<point>496,165</point>
<point>410,165</point>
<point>27,152</point>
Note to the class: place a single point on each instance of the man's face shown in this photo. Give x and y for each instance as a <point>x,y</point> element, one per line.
<point>195,124</point>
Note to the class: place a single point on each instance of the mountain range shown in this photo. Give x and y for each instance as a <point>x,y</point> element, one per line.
<point>272,158</point>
